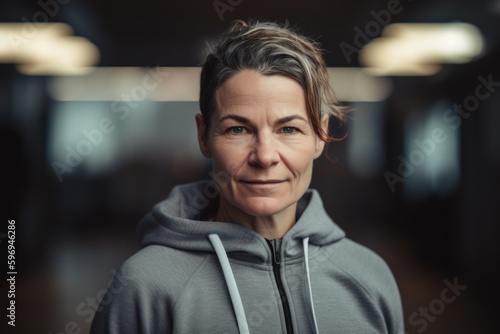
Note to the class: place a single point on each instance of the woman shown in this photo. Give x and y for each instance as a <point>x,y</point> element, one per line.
<point>254,250</point>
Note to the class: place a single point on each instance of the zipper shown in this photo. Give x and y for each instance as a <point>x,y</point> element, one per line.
<point>275,246</point>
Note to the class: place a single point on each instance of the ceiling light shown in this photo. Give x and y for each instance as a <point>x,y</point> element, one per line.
<point>49,49</point>
<point>182,84</point>
<point>354,84</point>
<point>420,49</point>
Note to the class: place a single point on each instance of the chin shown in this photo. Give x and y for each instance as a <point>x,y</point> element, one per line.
<point>262,207</point>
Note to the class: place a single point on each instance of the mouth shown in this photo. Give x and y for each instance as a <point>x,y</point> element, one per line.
<point>262,182</point>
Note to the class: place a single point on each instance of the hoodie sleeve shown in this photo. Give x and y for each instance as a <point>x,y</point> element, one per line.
<point>371,272</point>
<point>377,278</point>
<point>132,305</point>
<point>390,302</point>
<point>385,291</point>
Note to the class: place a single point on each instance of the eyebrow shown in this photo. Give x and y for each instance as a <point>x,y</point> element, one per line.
<point>290,118</point>
<point>280,121</point>
<point>240,119</point>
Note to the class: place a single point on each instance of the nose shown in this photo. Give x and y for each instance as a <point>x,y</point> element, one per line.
<point>264,152</point>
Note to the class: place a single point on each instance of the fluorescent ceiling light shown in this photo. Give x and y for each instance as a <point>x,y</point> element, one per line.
<point>182,84</point>
<point>354,84</point>
<point>420,49</point>
<point>46,49</point>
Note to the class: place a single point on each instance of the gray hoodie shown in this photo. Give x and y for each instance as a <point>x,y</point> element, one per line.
<point>196,276</point>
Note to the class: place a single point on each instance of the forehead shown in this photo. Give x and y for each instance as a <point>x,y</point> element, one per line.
<point>251,90</point>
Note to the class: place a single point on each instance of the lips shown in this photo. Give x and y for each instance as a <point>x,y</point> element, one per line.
<point>262,181</point>
<point>263,184</point>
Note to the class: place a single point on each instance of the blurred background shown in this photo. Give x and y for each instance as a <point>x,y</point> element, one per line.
<point>97,105</point>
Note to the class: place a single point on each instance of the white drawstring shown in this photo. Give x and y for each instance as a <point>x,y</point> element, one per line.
<point>231,283</point>
<point>233,288</point>
<point>305,243</point>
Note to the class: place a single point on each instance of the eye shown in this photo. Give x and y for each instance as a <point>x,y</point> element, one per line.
<point>236,130</point>
<point>288,130</point>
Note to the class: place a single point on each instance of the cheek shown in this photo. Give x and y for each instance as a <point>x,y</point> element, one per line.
<point>226,160</point>
<point>304,168</point>
<point>301,158</point>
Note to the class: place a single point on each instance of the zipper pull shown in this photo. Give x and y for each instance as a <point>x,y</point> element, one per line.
<point>277,249</point>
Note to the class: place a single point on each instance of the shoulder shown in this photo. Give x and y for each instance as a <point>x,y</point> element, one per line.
<point>370,273</point>
<point>363,265</point>
<point>358,257</point>
<point>147,284</point>
<point>160,268</point>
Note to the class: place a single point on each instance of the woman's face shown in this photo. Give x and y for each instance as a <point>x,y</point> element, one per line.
<point>261,143</point>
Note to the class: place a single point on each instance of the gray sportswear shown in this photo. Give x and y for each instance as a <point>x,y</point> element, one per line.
<point>196,276</point>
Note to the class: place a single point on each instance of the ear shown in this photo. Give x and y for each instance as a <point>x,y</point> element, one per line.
<point>202,136</point>
<point>320,145</point>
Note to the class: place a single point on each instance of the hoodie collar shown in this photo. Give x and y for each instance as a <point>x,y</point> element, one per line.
<point>175,223</point>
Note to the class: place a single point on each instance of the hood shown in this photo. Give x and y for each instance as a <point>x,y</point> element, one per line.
<point>175,223</point>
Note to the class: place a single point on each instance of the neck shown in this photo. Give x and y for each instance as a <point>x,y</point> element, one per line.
<point>270,227</point>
